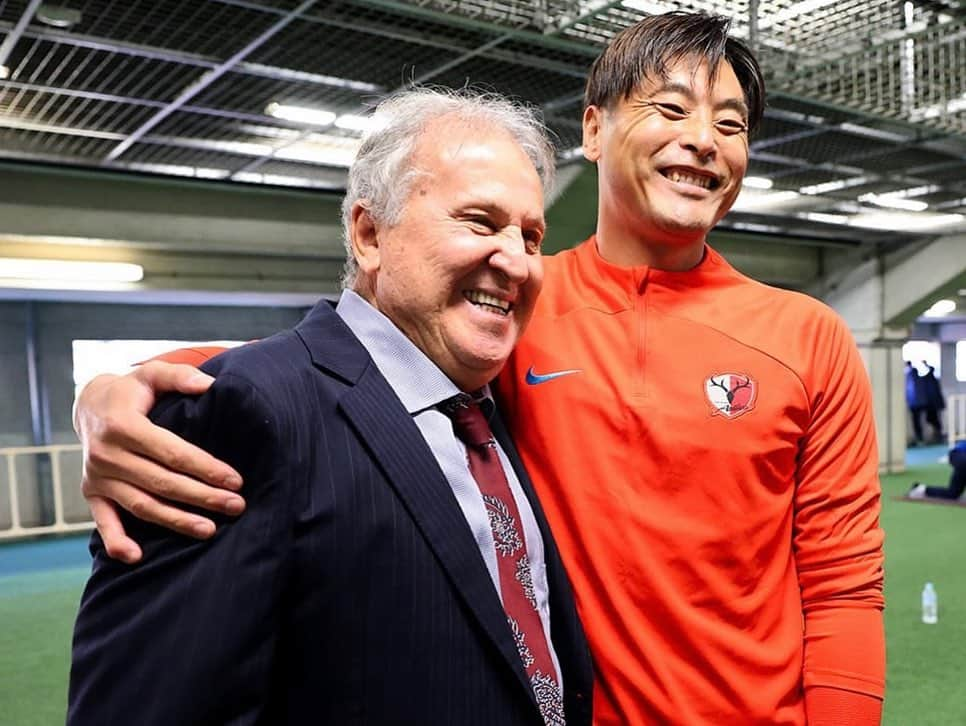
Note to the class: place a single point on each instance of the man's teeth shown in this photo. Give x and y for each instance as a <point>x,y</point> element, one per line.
<point>685,178</point>
<point>481,298</point>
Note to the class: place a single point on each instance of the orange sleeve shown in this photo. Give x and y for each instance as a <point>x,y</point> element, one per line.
<point>844,654</point>
<point>835,707</point>
<point>837,538</point>
<point>190,356</point>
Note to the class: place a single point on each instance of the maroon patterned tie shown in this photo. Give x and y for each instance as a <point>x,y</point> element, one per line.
<point>516,582</point>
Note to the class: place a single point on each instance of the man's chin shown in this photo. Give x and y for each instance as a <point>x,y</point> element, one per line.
<point>479,368</point>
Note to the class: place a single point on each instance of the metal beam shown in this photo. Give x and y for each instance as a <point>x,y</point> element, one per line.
<point>13,37</point>
<point>184,58</point>
<point>207,79</point>
<point>546,41</point>
<point>439,70</point>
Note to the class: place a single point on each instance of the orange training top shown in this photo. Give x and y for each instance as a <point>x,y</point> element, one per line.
<point>704,448</point>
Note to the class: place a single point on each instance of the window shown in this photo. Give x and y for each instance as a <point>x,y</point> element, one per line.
<point>921,352</point>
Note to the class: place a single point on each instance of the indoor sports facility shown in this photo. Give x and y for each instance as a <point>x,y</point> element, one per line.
<point>172,173</point>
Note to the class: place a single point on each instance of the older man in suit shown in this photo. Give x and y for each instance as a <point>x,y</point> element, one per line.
<point>394,566</point>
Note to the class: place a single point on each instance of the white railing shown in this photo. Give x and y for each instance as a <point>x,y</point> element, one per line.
<point>956,418</point>
<point>22,514</point>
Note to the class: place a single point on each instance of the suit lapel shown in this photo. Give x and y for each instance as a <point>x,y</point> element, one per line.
<point>411,469</point>
<point>396,444</point>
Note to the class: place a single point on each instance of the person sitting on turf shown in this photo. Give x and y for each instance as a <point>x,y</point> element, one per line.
<point>957,480</point>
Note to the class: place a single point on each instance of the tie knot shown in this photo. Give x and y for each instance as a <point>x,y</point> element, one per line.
<point>469,423</point>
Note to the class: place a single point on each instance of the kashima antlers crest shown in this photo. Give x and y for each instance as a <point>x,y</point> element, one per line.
<point>731,394</point>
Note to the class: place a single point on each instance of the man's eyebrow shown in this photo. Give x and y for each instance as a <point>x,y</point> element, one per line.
<point>735,104</point>
<point>497,210</point>
<point>485,206</point>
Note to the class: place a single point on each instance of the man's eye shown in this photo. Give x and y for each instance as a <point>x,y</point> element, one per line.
<point>672,110</point>
<point>731,126</point>
<point>532,241</point>
<point>483,223</point>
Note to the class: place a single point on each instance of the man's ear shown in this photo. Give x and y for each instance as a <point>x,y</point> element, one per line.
<point>364,237</point>
<point>592,124</point>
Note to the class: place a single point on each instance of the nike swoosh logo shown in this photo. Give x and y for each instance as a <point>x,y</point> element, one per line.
<point>534,378</point>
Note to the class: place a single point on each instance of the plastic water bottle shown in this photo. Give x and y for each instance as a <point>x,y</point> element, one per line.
<point>930,605</point>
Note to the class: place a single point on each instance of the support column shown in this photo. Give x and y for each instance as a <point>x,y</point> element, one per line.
<point>859,299</point>
<point>39,419</point>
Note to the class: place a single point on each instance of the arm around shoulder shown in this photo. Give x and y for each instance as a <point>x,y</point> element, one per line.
<point>142,467</point>
<point>187,636</point>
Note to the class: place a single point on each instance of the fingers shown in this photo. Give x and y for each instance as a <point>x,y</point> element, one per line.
<point>110,418</point>
<point>139,436</point>
<point>163,377</point>
<point>107,465</point>
<point>117,544</point>
<point>146,469</point>
<point>150,509</point>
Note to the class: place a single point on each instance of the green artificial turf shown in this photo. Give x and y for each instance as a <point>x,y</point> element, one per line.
<point>36,618</point>
<point>923,542</point>
<point>925,662</point>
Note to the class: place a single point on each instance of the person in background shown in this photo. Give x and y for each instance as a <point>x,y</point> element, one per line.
<point>393,565</point>
<point>703,444</point>
<point>915,392</point>
<point>934,402</point>
<point>957,479</point>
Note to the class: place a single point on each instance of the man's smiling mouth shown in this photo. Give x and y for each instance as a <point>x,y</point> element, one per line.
<point>686,176</point>
<point>488,302</point>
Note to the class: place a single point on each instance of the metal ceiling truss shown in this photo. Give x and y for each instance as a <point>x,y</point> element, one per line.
<point>864,93</point>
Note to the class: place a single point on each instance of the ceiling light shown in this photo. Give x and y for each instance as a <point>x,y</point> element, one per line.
<point>825,218</point>
<point>300,114</point>
<point>756,227</point>
<point>753,200</point>
<point>940,308</point>
<point>353,122</point>
<point>58,16</point>
<point>199,172</point>
<point>282,180</point>
<point>4,72</point>
<point>322,149</point>
<point>914,191</point>
<point>834,186</point>
<point>757,182</point>
<point>57,271</point>
<point>898,222</point>
<point>271,132</point>
<point>890,202</point>
<point>795,116</point>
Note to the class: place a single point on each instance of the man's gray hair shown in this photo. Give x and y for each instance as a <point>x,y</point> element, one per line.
<point>382,173</point>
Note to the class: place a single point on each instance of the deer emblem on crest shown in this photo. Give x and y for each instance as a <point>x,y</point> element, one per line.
<point>731,394</point>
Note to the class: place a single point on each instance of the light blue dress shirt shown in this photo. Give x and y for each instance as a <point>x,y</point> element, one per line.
<point>421,386</point>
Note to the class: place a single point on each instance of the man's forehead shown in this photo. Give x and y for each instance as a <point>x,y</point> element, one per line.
<point>454,145</point>
<point>691,74</point>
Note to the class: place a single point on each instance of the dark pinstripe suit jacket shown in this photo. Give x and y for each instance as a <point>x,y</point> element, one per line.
<point>350,592</point>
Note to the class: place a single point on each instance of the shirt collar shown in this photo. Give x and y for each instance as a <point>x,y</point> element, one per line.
<point>418,382</point>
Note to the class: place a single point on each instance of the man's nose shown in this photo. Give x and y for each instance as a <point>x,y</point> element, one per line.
<point>510,257</point>
<point>698,135</point>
